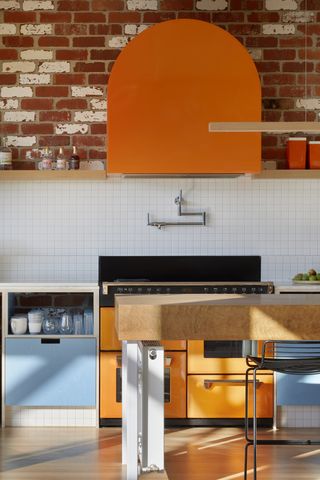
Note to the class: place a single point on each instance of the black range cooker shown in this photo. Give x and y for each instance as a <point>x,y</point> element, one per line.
<point>134,275</point>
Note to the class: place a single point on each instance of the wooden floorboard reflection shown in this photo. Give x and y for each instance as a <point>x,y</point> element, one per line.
<point>191,454</point>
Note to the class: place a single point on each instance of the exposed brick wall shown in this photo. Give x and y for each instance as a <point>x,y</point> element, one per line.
<point>56,56</point>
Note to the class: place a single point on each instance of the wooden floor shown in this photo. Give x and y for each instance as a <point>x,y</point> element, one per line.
<point>191,454</point>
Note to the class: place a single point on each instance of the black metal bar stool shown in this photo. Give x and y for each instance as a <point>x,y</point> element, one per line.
<point>290,357</point>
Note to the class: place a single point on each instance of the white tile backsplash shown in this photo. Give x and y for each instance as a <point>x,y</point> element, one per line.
<point>55,231</point>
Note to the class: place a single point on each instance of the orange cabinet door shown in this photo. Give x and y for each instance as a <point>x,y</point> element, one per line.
<point>110,385</point>
<point>175,385</point>
<point>197,363</point>
<point>175,405</point>
<point>223,396</point>
<point>108,335</point>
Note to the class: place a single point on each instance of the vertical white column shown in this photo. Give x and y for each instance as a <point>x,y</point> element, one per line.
<point>124,401</point>
<point>131,410</point>
<point>153,408</point>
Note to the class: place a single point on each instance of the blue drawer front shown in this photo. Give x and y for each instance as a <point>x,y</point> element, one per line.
<point>50,374</point>
<point>298,389</point>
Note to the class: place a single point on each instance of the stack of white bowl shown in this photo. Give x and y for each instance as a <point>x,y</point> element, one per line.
<point>35,319</point>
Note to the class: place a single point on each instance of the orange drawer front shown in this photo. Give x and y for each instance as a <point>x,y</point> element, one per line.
<point>197,363</point>
<point>110,385</point>
<point>223,396</point>
<point>108,334</point>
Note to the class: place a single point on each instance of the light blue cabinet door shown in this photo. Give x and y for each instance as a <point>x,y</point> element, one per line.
<point>50,374</point>
<point>298,389</point>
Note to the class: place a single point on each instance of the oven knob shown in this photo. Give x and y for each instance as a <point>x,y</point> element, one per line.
<point>253,290</point>
<point>225,290</point>
<point>130,290</point>
<point>243,289</point>
<point>205,290</point>
<point>139,289</point>
<point>234,289</point>
<point>148,290</point>
<point>215,289</point>
<point>158,290</point>
<point>168,290</point>
<point>261,290</point>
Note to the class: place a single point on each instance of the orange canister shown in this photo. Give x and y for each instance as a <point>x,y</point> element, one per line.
<point>297,152</point>
<point>314,155</point>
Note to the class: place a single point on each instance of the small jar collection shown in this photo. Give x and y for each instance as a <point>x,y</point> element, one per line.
<point>53,321</point>
<point>47,160</point>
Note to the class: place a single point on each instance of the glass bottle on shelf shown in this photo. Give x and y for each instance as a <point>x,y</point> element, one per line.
<point>74,160</point>
<point>78,322</point>
<point>61,161</point>
<point>88,322</point>
<point>46,161</point>
<point>5,156</point>
<point>50,324</point>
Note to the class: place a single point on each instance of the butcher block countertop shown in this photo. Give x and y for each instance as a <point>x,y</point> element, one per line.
<point>218,317</point>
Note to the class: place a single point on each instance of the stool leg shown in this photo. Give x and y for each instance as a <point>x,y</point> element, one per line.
<point>246,419</point>
<point>254,420</point>
<point>245,472</point>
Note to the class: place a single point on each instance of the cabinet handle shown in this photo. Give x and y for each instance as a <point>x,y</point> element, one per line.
<point>50,340</point>
<point>168,360</point>
<point>209,383</point>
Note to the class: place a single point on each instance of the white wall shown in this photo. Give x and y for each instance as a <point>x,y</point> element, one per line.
<point>55,231</point>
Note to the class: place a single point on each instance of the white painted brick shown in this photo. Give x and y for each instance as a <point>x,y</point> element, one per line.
<point>85,91</point>
<point>37,5</point>
<point>130,29</point>
<point>14,141</point>
<point>16,92</point>
<point>298,17</point>
<point>71,128</point>
<point>53,67</point>
<point>35,79</point>
<point>211,4</point>
<point>281,4</point>
<point>36,55</point>
<point>278,29</point>
<point>8,29</point>
<point>142,28</point>
<point>18,67</point>
<point>9,5</point>
<point>308,103</point>
<point>142,5</point>
<point>118,42</point>
<point>256,53</point>
<point>9,104</point>
<point>98,104</point>
<point>30,29</point>
<point>19,116</point>
<point>88,116</point>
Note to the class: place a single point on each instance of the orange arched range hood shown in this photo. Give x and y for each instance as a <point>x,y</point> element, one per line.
<point>166,86</point>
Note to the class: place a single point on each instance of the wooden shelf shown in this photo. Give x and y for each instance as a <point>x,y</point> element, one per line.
<point>287,174</point>
<point>38,175</point>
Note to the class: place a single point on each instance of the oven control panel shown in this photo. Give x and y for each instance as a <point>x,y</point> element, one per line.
<point>148,288</point>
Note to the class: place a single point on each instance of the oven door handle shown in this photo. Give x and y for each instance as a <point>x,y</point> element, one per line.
<point>208,384</point>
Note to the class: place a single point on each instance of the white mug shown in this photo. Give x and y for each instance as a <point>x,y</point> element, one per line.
<point>18,324</point>
<point>35,327</point>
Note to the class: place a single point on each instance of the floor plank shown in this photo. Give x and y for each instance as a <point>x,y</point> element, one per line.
<point>191,454</point>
